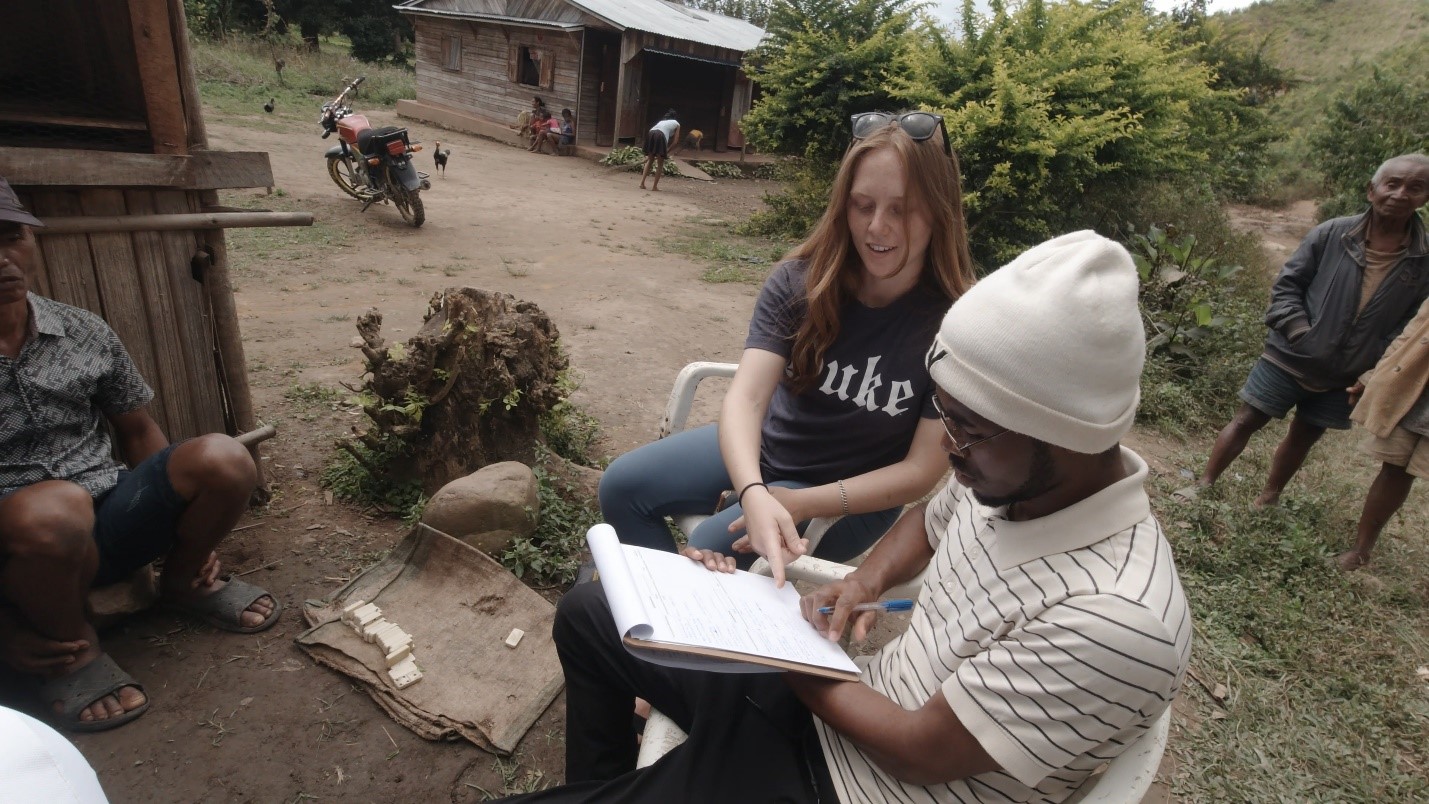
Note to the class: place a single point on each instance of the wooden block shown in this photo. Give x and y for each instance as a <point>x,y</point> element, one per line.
<point>514,638</point>
<point>405,673</point>
<point>395,657</point>
<point>392,639</point>
<point>349,610</point>
<point>372,629</point>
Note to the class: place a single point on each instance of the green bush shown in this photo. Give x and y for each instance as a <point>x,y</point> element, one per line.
<point>1384,116</point>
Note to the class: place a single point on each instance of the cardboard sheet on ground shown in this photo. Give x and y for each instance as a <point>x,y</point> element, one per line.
<point>459,606</point>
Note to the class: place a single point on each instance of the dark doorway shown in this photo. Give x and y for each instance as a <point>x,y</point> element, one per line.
<point>695,89</point>
<point>607,86</point>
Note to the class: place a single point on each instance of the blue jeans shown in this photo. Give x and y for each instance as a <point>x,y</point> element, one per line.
<point>684,474</point>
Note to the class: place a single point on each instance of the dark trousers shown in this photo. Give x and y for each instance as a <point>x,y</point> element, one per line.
<point>751,739</point>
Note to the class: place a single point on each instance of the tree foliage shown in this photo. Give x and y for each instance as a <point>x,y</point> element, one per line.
<point>824,60</point>
<point>1051,106</point>
<point>1384,116</point>
<point>375,29</point>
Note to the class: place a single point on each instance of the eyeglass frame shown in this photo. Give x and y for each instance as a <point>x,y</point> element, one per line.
<point>948,426</point>
<point>899,118</point>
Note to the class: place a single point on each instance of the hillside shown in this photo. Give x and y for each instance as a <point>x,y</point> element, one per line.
<point>1329,45</point>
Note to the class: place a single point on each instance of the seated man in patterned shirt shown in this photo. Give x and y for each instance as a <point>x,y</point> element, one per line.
<point>71,517</point>
<point>1051,630</point>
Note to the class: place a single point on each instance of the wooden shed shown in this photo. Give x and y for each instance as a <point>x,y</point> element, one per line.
<point>617,64</point>
<point>102,136</point>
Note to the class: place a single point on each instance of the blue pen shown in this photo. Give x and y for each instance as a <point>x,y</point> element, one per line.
<point>901,604</point>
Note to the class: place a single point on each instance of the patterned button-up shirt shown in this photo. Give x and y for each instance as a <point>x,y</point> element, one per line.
<point>71,372</point>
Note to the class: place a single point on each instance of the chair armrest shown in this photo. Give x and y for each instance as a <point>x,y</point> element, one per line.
<point>807,568</point>
<point>682,396</point>
<point>820,571</point>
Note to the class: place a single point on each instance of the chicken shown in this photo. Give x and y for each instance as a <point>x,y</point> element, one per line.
<point>268,107</point>
<point>440,156</point>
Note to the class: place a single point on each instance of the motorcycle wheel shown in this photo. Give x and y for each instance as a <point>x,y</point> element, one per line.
<point>344,174</point>
<point>409,205</point>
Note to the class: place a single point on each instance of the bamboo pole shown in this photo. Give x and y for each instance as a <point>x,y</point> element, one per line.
<point>171,222</point>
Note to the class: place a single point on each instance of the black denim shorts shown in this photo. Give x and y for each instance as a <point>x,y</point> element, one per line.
<point>137,521</point>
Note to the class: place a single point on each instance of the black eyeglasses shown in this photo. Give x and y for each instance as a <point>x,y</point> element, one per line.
<point>948,425</point>
<point>918,126</point>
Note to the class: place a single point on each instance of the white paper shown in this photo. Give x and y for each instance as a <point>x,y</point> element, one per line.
<point>664,597</point>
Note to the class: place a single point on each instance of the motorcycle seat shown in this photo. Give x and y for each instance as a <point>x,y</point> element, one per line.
<point>369,140</point>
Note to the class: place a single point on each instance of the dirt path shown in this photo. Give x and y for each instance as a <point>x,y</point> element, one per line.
<point>247,718</point>
<point>251,718</point>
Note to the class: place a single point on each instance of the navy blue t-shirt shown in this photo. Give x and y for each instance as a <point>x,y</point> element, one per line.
<point>874,388</point>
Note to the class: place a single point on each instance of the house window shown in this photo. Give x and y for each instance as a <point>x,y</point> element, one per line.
<point>531,66</point>
<point>451,53</point>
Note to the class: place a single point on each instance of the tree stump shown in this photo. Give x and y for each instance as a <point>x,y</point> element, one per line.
<point>467,390</point>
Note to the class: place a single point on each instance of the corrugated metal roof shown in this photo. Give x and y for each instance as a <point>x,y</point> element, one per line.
<point>653,16</point>
<point>672,19</point>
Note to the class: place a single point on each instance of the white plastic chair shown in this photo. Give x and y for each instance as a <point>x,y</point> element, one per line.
<point>1124,780</point>
<point>677,415</point>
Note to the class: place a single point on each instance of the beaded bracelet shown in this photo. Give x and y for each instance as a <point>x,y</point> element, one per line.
<point>740,498</point>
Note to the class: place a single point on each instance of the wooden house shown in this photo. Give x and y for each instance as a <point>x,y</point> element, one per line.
<point>617,64</point>
<point>102,136</point>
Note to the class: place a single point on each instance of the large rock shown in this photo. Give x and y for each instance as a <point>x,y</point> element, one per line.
<point>488,508</point>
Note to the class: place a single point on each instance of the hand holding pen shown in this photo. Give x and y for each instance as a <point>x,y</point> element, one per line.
<point>898,604</point>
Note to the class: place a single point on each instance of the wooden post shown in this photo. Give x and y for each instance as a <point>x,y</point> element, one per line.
<point>159,75</point>
<point>218,282</point>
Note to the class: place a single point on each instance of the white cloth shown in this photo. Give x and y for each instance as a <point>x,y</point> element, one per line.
<point>666,127</point>
<point>1056,641</point>
<point>1050,345</point>
<point>38,766</point>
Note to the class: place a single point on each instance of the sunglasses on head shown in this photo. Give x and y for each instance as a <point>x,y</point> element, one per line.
<point>918,126</point>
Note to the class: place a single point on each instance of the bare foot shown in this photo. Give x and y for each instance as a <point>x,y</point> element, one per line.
<point>1267,499</point>
<point>642,185</point>
<point>1351,560</point>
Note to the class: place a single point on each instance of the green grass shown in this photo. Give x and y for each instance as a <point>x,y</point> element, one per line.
<point>1324,703</point>
<point>236,77</point>
<point>728,257</point>
<point>254,249</point>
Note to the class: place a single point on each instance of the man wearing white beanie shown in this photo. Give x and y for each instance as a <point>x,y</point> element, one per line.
<point>1050,630</point>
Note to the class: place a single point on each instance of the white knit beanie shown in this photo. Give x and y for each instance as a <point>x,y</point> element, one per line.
<point>1051,345</point>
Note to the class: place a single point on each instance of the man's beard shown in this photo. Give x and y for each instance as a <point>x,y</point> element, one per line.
<point>1040,478</point>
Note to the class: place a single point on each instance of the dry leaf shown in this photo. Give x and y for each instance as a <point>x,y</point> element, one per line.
<point>1220,692</point>
<point>1219,715</point>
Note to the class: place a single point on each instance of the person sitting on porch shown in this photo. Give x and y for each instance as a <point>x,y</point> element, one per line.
<point>71,517</point>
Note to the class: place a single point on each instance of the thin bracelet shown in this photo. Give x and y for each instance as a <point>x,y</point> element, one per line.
<point>843,497</point>
<point>740,498</point>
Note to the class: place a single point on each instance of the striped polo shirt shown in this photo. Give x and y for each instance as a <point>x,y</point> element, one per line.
<point>1056,641</point>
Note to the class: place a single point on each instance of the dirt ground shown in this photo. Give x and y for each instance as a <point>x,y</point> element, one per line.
<point>250,718</point>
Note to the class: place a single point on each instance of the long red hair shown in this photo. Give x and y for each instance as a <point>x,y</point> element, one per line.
<point>834,269</point>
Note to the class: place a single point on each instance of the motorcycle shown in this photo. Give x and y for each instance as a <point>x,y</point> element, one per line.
<point>373,165</point>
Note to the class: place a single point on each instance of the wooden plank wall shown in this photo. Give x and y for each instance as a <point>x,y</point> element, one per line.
<point>482,87</point>
<point>587,118</point>
<point>142,285</point>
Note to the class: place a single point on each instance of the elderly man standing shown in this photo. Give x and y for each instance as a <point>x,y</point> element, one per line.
<point>1050,631</point>
<point>1344,295</point>
<point>72,517</point>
